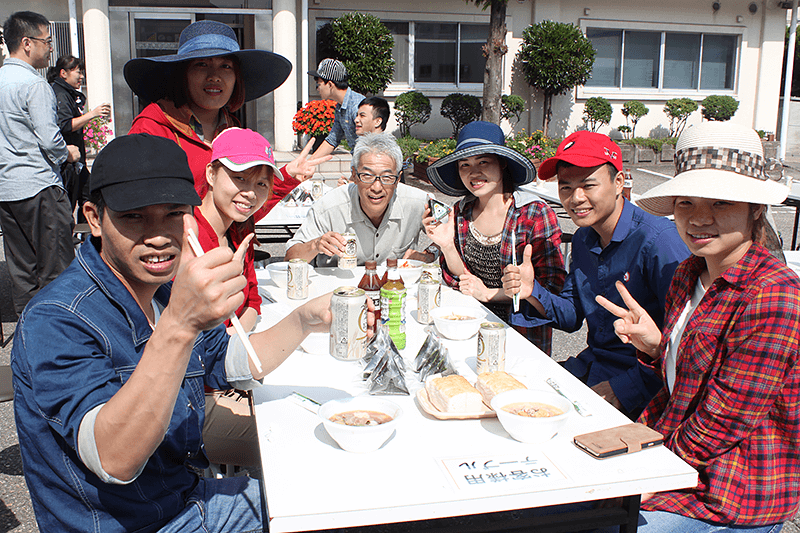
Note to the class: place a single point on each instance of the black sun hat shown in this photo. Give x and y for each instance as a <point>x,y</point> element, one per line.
<point>135,171</point>
<point>261,71</point>
<point>478,138</point>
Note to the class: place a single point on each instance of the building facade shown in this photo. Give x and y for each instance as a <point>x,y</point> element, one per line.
<point>647,51</point>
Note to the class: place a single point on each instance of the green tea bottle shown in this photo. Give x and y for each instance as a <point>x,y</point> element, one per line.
<point>393,307</point>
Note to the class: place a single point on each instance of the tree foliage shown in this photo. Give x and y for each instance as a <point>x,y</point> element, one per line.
<point>555,57</point>
<point>461,109</point>
<point>512,106</point>
<point>597,112</point>
<point>364,45</point>
<point>678,111</point>
<point>411,108</point>
<point>494,50</point>
<point>719,107</point>
<point>633,110</point>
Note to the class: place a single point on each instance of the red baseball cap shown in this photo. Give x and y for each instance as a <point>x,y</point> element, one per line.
<point>583,149</point>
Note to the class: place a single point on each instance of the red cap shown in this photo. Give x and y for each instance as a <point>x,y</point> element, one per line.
<point>583,149</point>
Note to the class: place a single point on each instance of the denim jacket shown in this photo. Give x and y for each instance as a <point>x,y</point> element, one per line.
<point>77,342</point>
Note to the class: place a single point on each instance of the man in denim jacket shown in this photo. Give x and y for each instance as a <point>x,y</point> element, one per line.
<point>110,360</point>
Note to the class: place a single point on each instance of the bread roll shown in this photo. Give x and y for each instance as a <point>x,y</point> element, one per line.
<point>453,394</point>
<point>490,384</point>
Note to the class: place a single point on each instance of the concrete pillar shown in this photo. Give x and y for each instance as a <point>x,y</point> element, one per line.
<point>284,42</point>
<point>97,43</point>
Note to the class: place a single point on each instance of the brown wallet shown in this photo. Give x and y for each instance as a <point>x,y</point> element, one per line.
<point>628,438</point>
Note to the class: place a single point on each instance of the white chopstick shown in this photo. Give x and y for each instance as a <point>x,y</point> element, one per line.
<point>515,298</point>
<point>198,251</point>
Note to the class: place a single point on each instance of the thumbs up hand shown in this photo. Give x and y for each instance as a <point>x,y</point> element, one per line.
<point>519,279</point>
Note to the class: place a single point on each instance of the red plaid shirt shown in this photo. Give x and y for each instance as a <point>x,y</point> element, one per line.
<point>734,413</point>
<point>536,224</point>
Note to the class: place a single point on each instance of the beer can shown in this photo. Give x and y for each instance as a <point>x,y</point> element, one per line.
<point>349,323</point>
<point>297,280</point>
<point>348,259</point>
<point>429,297</point>
<point>316,189</point>
<point>431,271</point>
<point>491,347</point>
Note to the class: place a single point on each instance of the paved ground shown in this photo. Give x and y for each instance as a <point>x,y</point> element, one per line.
<point>16,514</point>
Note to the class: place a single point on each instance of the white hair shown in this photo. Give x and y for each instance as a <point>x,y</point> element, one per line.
<point>377,143</point>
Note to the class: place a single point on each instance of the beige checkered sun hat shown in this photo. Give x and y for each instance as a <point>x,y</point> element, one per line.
<point>716,160</point>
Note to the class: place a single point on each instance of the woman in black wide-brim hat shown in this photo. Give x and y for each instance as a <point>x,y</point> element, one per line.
<point>476,239</point>
<point>192,94</point>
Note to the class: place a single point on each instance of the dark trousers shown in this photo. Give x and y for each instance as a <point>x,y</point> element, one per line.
<point>37,238</point>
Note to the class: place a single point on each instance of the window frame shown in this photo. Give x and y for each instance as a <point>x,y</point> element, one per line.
<point>430,89</point>
<point>661,93</point>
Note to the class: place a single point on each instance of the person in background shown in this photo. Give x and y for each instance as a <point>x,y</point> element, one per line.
<point>476,239</point>
<point>373,114</point>
<point>193,94</point>
<point>110,360</point>
<point>386,216</point>
<point>615,240</point>
<point>35,213</point>
<point>239,180</point>
<point>728,350</point>
<point>331,80</point>
<point>66,79</point>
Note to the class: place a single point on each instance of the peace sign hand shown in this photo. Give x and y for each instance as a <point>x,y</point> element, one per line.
<point>634,325</point>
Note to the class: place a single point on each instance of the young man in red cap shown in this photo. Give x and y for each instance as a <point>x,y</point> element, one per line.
<point>615,240</point>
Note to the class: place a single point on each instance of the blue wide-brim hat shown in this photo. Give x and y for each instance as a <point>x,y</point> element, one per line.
<point>478,138</point>
<point>261,71</point>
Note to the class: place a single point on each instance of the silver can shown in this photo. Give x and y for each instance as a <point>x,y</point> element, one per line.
<point>348,259</point>
<point>349,323</point>
<point>429,297</point>
<point>431,271</point>
<point>297,280</point>
<point>316,189</point>
<point>491,347</point>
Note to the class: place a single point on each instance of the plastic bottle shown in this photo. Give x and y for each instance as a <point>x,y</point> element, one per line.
<point>393,306</point>
<point>627,184</point>
<point>390,263</point>
<point>371,284</point>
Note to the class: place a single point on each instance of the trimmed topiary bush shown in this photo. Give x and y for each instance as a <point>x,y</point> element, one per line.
<point>461,109</point>
<point>719,107</point>
<point>596,113</point>
<point>364,45</point>
<point>678,111</point>
<point>512,106</point>
<point>411,108</point>
<point>633,110</point>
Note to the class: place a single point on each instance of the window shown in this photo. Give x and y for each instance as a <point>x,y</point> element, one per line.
<point>633,59</point>
<point>446,54</point>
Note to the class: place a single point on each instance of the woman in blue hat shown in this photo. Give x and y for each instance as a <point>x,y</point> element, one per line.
<point>192,95</point>
<point>476,239</point>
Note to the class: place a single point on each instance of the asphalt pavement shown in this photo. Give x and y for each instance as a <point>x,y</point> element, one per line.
<point>16,513</point>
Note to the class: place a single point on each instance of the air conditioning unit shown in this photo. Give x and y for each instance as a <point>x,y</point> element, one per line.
<point>784,4</point>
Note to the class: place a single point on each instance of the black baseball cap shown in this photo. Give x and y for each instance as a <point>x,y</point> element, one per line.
<point>139,170</point>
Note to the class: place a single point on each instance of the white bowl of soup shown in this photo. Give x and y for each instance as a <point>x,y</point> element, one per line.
<point>361,424</point>
<point>410,270</point>
<point>530,415</point>
<point>458,323</point>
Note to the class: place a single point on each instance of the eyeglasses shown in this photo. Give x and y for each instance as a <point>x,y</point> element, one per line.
<point>48,41</point>
<point>369,179</point>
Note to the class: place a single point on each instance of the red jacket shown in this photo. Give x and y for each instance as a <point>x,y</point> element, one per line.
<point>165,120</point>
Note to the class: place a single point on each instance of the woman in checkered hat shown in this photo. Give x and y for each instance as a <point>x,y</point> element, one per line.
<point>493,221</point>
<point>728,353</point>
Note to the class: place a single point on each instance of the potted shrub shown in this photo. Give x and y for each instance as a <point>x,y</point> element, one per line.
<point>678,111</point>
<point>719,107</point>
<point>633,110</point>
<point>596,113</point>
<point>411,107</point>
<point>461,109</point>
<point>314,119</point>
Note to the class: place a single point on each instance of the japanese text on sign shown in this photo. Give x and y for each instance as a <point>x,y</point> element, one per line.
<point>521,471</point>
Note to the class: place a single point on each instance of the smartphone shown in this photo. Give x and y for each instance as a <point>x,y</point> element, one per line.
<point>439,211</point>
<point>628,438</point>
